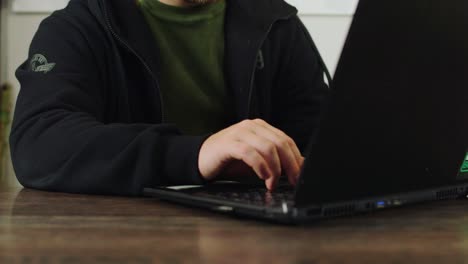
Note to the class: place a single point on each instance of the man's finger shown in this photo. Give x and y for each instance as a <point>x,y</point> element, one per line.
<point>271,183</point>
<point>251,157</point>
<point>281,134</point>
<point>289,162</point>
<point>266,148</point>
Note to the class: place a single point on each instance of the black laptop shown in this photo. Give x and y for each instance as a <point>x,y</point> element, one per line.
<point>395,131</point>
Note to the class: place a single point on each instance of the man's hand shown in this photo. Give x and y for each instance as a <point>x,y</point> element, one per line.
<point>268,151</point>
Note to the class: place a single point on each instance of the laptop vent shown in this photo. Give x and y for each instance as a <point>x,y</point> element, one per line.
<point>447,194</point>
<point>339,210</point>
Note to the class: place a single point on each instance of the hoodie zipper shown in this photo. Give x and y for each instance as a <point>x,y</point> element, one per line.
<point>254,69</point>
<point>127,46</point>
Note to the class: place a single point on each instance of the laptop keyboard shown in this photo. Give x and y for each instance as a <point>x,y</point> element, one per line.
<point>258,196</point>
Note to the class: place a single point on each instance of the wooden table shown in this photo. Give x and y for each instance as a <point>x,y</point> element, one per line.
<point>41,227</point>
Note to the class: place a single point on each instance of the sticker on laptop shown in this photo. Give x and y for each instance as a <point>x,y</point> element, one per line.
<point>464,167</point>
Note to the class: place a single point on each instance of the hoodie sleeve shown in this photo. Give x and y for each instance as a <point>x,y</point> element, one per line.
<point>302,91</point>
<point>58,142</point>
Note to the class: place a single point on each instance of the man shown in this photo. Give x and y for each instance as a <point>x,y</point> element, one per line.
<point>121,95</point>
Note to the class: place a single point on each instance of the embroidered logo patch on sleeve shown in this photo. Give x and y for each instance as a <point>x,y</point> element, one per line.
<point>39,64</point>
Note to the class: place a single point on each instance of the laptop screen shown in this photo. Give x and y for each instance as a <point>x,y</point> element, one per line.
<point>397,118</point>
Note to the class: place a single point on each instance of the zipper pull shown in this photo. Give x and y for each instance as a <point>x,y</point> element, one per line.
<point>260,60</point>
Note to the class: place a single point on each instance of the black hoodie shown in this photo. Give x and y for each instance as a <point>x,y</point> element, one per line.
<point>88,117</point>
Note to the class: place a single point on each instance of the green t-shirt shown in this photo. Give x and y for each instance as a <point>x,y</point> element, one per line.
<point>191,47</point>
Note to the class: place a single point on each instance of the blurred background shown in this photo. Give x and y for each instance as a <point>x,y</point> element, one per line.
<point>328,22</point>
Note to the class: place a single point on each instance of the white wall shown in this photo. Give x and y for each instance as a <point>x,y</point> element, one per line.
<point>328,31</point>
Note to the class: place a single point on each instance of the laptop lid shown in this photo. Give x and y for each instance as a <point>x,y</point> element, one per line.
<point>397,119</point>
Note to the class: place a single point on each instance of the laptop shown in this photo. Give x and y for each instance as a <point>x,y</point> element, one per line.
<point>394,132</point>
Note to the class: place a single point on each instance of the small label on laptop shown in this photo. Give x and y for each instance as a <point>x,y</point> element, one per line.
<point>464,167</point>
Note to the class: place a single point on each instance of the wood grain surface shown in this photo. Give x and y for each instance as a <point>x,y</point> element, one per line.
<point>42,227</point>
